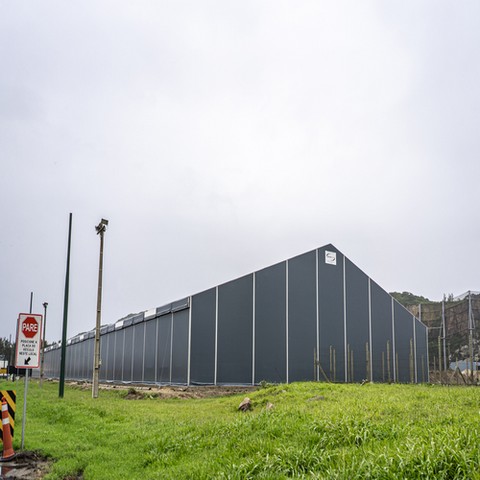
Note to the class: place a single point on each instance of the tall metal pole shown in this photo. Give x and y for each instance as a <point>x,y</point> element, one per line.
<point>470,333</point>
<point>61,388</point>
<point>444,329</point>
<point>42,361</point>
<point>27,372</point>
<point>101,227</point>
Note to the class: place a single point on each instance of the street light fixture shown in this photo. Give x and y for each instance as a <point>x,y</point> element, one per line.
<point>100,228</point>
<point>45,305</point>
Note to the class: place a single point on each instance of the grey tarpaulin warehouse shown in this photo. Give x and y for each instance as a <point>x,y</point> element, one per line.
<point>314,316</point>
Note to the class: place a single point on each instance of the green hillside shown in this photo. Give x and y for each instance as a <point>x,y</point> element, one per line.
<point>407,298</point>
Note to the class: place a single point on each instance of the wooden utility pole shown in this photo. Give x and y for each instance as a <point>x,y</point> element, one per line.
<point>101,227</point>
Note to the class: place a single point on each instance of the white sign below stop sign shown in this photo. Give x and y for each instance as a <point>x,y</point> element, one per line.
<point>29,339</point>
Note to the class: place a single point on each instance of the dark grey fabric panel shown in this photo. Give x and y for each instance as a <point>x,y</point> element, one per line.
<point>235,330</point>
<point>150,348</point>
<point>73,359</point>
<point>270,324</point>
<point>52,364</point>
<point>139,339</point>
<point>403,337</point>
<point>302,317</point>
<point>119,342</point>
<point>180,304</point>
<point>89,356</point>
<point>49,369</point>
<point>164,342</point>
<point>127,354</point>
<point>58,361</point>
<point>86,360</point>
<point>164,309</point>
<point>113,350</point>
<point>79,369</point>
<point>83,360</point>
<point>421,352</point>
<point>331,321</point>
<point>180,347</point>
<point>68,361</point>
<point>55,363</point>
<point>52,371</point>
<point>356,285</point>
<point>110,355</point>
<point>202,358</point>
<point>103,357</point>
<point>78,366</point>
<point>382,339</point>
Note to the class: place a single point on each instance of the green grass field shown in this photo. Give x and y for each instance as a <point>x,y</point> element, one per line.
<point>314,431</point>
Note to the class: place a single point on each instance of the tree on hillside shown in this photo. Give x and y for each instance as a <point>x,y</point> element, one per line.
<point>407,298</point>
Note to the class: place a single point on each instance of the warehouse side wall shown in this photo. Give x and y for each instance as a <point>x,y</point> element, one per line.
<point>314,316</point>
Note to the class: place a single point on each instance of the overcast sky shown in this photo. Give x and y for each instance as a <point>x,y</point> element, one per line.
<point>221,137</point>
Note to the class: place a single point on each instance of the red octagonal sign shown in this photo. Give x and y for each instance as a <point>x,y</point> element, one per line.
<point>30,327</point>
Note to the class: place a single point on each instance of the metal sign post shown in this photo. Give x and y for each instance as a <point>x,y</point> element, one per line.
<point>27,353</point>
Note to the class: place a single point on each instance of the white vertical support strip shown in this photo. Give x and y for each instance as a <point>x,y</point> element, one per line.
<point>133,352</point>
<point>370,336</point>
<point>73,368</point>
<point>286,318</point>
<point>189,338</point>
<point>444,334</point>
<point>171,345</point>
<point>216,336</point>
<point>394,350</point>
<point>123,354</point>
<point>253,329</point>
<point>428,359</point>
<point>144,339</point>
<point>345,356</point>
<point>318,315</point>
<point>415,347</point>
<point>156,349</point>
<point>114,333</point>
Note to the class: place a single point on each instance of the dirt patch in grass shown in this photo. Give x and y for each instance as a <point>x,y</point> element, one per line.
<point>141,392</point>
<point>26,466</point>
<point>166,392</point>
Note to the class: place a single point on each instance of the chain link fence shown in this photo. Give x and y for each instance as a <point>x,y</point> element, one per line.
<point>453,338</point>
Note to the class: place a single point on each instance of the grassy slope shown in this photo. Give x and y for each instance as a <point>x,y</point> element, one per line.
<point>314,431</point>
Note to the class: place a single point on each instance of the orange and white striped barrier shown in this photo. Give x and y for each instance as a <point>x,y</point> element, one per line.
<point>8,452</point>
